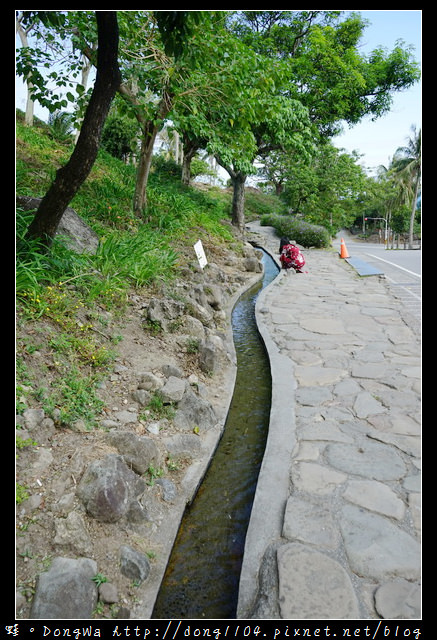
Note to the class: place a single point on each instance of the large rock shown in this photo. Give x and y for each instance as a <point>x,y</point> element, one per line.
<point>211,354</point>
<point>173,390</point>
<point>71,534</point>
<point>163,312</point>
<point>80,237</point>
<point>66,590</point>
<point>193,411</point>
<point>108,487</point>
<point>133,564</point>
<point>139,452</point>
<point>214,296</point>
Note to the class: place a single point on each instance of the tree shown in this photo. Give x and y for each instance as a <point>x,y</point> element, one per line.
<point>71,176</point>
<point>159,71</point>
<point>23,32</point>
<point>321,65</point>
<point>274,122</point>
<point>53,59</point>
<point>326,71</point>
<point>407,166</point>
<point>248,117</point>
<point>325,191</point>
<point>119,135</point>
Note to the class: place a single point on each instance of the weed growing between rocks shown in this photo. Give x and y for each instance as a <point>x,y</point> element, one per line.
<point>124,374</point>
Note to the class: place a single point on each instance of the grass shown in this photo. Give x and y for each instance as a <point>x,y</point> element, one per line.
<point>59,291</point>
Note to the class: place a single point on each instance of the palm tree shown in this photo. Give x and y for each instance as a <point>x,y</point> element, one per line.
<point>407,166</point>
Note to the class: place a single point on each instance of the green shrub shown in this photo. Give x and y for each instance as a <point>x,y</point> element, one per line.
<point>304,233</point>
<point>141,258</point>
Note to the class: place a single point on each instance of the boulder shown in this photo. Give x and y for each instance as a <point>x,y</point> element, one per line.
<point>252,264</point>
<point>193,412</point>
<point>66,590</point>
<point>214,296</point>
<point>149,382</point>
<point>80,237</point>
<point>71,534</point>
<point>107,488</point>
<point>163,312</point>
<point>173,390</point>
<point>211,352</point>
<point>133,564</point>
<point>138,452</point>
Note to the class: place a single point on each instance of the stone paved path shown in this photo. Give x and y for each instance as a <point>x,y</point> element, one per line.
<point>335,527</point>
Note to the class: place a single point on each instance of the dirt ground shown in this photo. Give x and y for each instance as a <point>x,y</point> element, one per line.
<point>52,469</point>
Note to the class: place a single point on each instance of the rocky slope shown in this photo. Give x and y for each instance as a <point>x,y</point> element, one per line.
<point>104,506</point>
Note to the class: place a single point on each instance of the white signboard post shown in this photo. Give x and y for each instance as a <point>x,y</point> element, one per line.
<point>200,253</point>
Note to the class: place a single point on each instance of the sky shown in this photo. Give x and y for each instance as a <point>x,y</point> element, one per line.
<point>376,141</point>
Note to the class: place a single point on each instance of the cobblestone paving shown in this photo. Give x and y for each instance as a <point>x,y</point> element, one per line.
<point>336,524</point>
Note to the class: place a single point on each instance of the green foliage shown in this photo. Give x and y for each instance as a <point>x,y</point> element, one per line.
<point>400,219</point>
<point>319,52</point>
<point>200,167</point>
<point>140,258</point>
<point>21,493</point>
<point>153,473</point>
<point>118,136</point>
<point>61,125</point>
<point>63,296</point>
<point>99,579</point>
<point>76,395</point>
<point>258,203</point>
<point>304,233</point>
<point>326,190</point>
<point>22,444</point>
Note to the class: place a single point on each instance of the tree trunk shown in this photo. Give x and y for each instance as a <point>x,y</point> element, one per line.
<point>413,215</point>
<point>279,188</point>
<point>28,116</point>
<point>69,178</point>
<point>190,149</point>
<point>143,170</point>
<point>150,131</point>
<point>238,180</point>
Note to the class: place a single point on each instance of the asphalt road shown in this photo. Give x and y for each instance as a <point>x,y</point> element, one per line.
<point>401,267</point>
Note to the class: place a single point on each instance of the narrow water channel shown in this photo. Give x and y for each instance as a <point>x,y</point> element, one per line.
<point>203,572</point>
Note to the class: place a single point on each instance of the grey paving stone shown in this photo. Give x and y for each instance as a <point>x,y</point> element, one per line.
<point>313,585</point>
<point>377,548</point>
<point>375,496</point>
<point>310,522</point>
<point>398,599</point>
<point>370,459</point>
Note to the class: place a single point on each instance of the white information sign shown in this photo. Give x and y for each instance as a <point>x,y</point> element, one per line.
<point>200,253</point>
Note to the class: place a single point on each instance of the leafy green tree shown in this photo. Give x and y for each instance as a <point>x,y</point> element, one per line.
<point>161,71</point>
<point>407,167</point>
<point>322,67</point>
<point>326,190</point>
<point>326,71</point>
<point>70,177</point>
<point>249,118</point>
<point>51,58</point>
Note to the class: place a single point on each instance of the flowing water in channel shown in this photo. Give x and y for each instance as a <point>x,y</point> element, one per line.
<point>203,572</point>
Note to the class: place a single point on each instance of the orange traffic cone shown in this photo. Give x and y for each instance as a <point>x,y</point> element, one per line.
<point>343,250</point>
